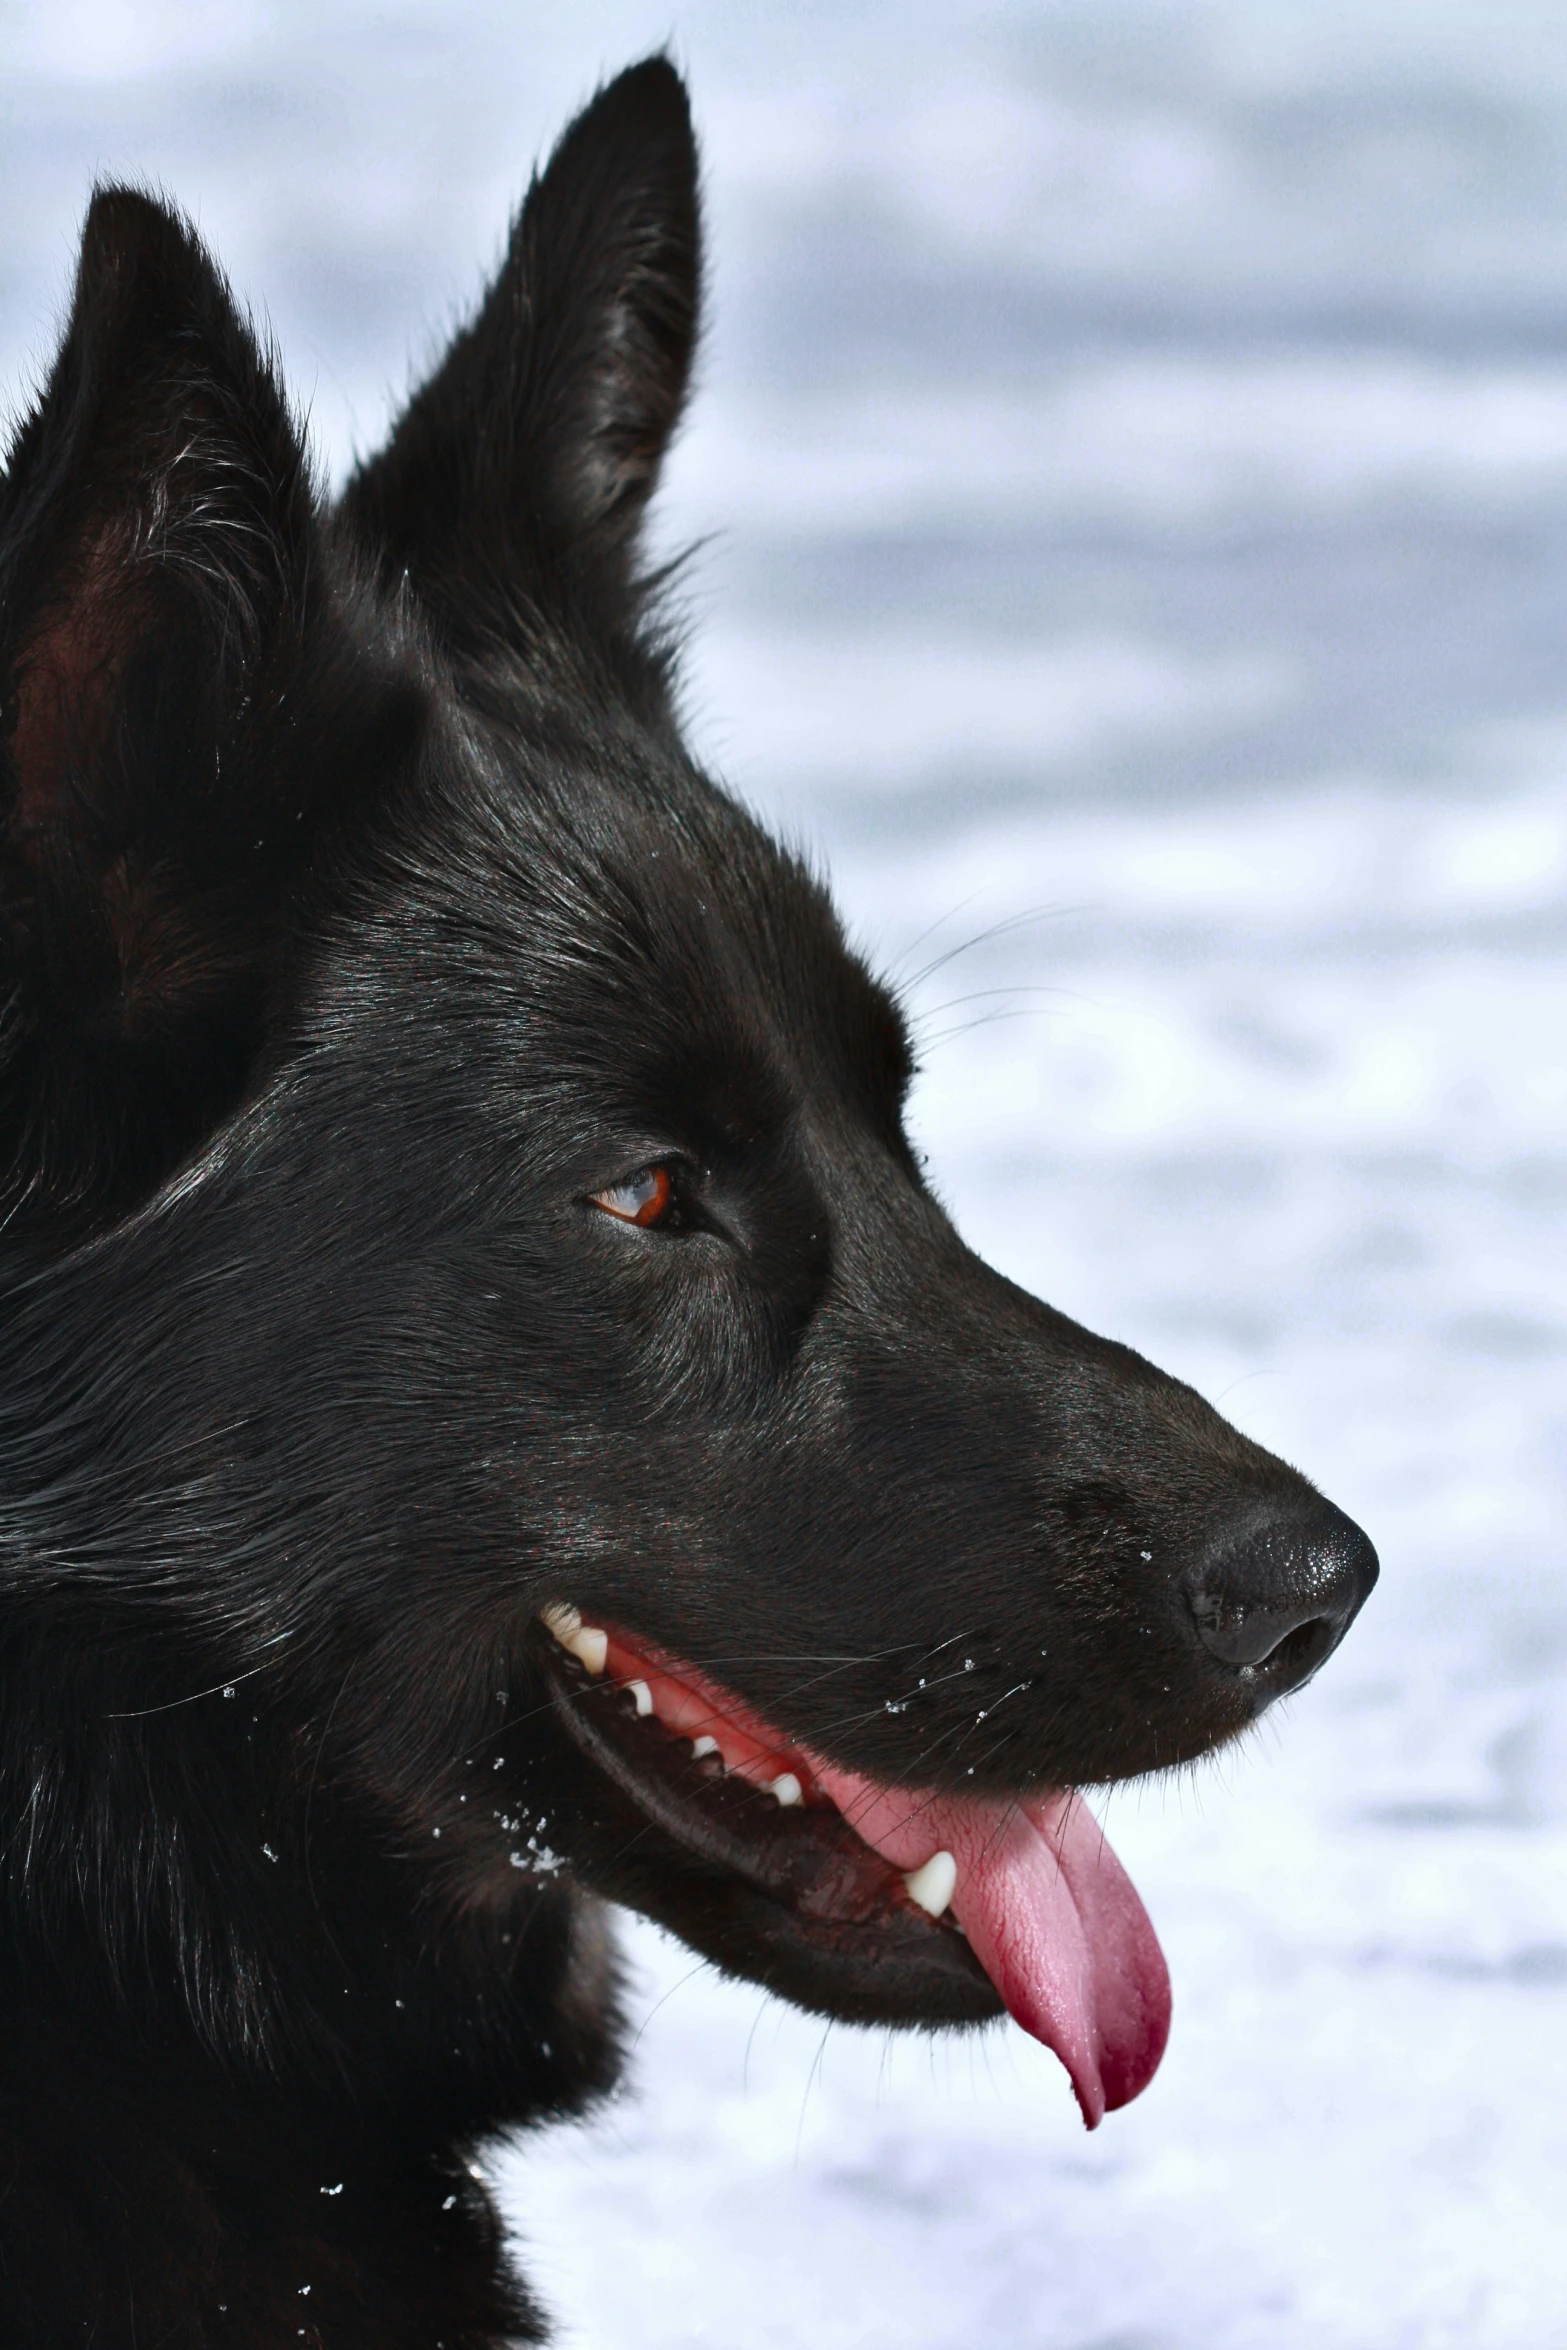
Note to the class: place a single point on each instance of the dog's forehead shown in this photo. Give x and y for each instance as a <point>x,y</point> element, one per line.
<point>620,856</point>
<point>596,881</point>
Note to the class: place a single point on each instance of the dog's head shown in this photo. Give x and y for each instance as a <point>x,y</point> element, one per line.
<point>461,1227</point>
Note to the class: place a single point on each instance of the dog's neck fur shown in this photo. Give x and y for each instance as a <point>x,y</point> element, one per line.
<point>228,2121</point>
<point>255,2018</point>
<point>154,2196</point>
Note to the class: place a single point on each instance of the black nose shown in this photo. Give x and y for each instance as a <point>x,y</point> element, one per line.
<point>1277,1599</point>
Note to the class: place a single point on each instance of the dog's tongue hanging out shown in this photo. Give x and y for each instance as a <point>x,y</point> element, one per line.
<point>1051,1916</point>
<point>1048,1910</point>
<point>1044,1902</point>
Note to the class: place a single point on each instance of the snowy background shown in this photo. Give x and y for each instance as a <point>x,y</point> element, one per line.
<point>1136,442</point>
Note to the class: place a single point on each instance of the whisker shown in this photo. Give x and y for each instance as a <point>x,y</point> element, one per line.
<point>144,1713</point>
<point>941,1036</point>
<point>931,928</point>
<point>1001,929</point>
<point>701,1967</point>
<point>978,995</point>
<point>810,2078</point>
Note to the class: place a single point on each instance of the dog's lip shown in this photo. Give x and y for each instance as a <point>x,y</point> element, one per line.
<point>1049,1913</point>
<point>728,1788</point>
<point>691,1706</point>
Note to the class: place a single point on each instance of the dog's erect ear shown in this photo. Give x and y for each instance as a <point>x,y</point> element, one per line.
<point>157,621</point>
<point>526,461</point>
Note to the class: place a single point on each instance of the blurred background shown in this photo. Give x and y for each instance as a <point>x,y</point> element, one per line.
<point>1130,463</point>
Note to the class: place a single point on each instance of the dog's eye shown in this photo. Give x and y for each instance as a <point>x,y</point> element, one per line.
<point>647,1197</point>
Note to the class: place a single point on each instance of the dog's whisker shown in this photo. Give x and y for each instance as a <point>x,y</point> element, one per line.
<point>230,1681</point>
<point>986,937</point>
<point>931,1039</point>
<point>931,928</point>
<point>980,995</point>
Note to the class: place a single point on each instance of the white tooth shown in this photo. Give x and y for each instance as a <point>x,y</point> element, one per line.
<point>564,1622</point>
<point>787,1788</point>
<point>590,1648</point>
<point>933,1885</point>
<point>702,1746</point>
<point>643,1695</point>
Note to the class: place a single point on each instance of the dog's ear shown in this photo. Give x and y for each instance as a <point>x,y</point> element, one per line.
<point>523,466</point>
<point>158,617</point>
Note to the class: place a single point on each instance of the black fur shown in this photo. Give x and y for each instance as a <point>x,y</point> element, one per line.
<point>361,917</point>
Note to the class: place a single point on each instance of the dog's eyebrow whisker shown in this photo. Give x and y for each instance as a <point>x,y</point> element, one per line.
<point>930,929</point>
<point>981,995</point>
<point>932,1040</point>
<point>1002,929</point>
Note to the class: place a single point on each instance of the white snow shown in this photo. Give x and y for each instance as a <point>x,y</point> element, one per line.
<point>1137,437</point>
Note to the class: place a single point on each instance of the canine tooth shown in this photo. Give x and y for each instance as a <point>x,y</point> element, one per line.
<point>703,1746</point>
<point>643,1695</point>
<point>933,1885</point>
<point>590,1648</point>
<point>787,1788</point>
<point>564,1622</point>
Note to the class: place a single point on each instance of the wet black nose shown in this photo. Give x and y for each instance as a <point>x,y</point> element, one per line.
<point>1276,1600</point>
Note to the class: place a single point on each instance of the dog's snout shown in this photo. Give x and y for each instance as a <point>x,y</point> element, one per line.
<point>1275,1602</point>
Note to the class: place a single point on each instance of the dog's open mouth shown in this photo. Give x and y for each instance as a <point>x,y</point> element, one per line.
<point>1022,1899</point>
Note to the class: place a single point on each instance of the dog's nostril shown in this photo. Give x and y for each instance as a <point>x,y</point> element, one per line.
<point>1298,1654</point>
<point>1278,1600</point>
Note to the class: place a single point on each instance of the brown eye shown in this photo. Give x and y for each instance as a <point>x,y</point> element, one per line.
<point>643,1198</point>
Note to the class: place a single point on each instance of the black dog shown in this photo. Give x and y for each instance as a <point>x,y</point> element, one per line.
<point>491,1415</point>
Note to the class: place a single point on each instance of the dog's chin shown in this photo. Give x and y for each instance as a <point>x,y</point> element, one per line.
<point>783,1892</point>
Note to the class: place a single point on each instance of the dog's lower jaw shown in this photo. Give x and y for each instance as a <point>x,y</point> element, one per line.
<point>772,1890</point>
<point>870,1901</point>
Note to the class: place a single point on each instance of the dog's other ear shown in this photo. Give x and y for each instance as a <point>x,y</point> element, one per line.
<point>158,618</point>
<point>522,468</point>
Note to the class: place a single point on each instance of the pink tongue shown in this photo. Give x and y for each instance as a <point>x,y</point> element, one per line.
<point>1051,1916</point>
